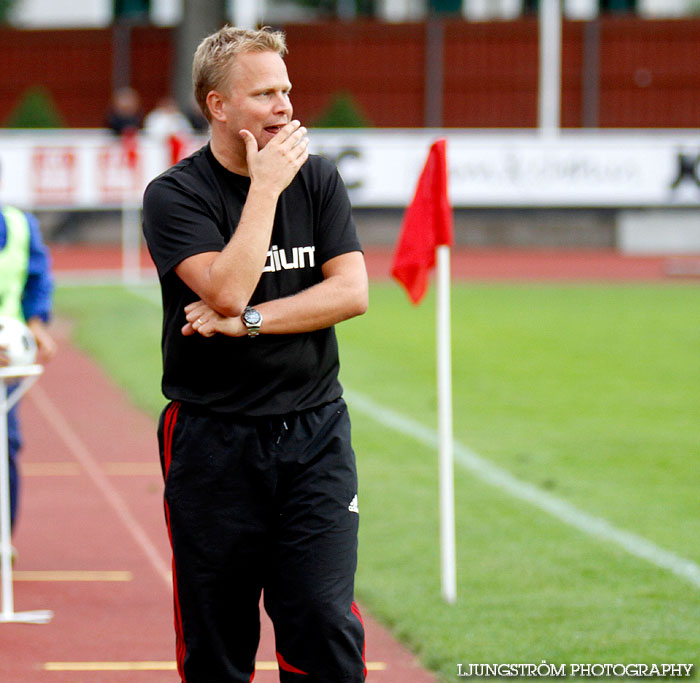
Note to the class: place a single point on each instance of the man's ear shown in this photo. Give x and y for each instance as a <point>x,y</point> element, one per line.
<point>215,103</point>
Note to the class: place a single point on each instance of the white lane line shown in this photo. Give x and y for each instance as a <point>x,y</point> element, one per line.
<point>81,453</point>
<point>566,512</point>
<point>79,575</point>
<point>160,666</point>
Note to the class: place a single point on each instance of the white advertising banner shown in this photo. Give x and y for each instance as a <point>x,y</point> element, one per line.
<point>94,170</point>
<point>78,169</point>
<point>523,169</point>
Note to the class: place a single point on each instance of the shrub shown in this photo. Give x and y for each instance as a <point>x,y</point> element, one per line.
<point>35,109</point>
<point>342,112</point>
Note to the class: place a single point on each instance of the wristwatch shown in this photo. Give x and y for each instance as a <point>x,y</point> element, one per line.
<point>252,319</point>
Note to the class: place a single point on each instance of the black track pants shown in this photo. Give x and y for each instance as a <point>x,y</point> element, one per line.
<point>257,504</point>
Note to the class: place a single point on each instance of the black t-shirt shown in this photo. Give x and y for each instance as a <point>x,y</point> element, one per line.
<point>195,207</point>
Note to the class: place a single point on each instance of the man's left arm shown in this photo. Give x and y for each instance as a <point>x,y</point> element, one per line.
<point>342,294</point>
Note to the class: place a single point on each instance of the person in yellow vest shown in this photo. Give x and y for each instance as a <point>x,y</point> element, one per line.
<point>26,292</point>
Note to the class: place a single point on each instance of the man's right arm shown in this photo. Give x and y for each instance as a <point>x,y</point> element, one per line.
<point>226,280</point>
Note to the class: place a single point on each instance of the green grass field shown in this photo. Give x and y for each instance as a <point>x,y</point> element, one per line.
<point>590,393</point>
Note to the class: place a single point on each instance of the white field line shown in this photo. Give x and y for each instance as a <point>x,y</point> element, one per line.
<point>148,291</point>
<point>150,294</point>
<point>98,278</point>
<point>79,450</point>
<point>569,514</point>
<point>492,474</point>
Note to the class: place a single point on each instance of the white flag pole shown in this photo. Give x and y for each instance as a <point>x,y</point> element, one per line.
<point>445,432</point>
<point>549,96</point>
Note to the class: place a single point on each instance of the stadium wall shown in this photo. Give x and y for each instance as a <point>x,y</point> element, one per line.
<point>648,73</point>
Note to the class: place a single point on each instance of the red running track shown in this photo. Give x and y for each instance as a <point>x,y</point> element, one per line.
<point>93,546</point>
<point>467,264</point>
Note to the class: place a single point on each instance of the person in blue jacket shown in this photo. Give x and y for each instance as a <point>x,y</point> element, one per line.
<point>26,292</point>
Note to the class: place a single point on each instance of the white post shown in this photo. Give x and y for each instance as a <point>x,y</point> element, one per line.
<point>131,244</point>
<point>8,605</point>
<point>8,614</point>
<point>131,154</point>
<point>445,432</point>
<point>549,103</point>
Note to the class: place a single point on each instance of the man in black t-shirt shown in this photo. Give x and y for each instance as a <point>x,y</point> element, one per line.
<point>258,258</point>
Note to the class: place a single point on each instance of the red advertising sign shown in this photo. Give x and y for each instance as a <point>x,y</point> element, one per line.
<point>120,170</point>
<point>54,178</point>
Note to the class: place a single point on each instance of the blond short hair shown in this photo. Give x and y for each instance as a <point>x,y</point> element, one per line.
<point>213,57</point>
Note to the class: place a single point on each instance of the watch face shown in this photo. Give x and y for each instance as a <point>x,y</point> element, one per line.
<point>252,317</point>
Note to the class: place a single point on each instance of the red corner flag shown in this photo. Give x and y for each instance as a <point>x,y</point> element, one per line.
<point>427,223</point>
